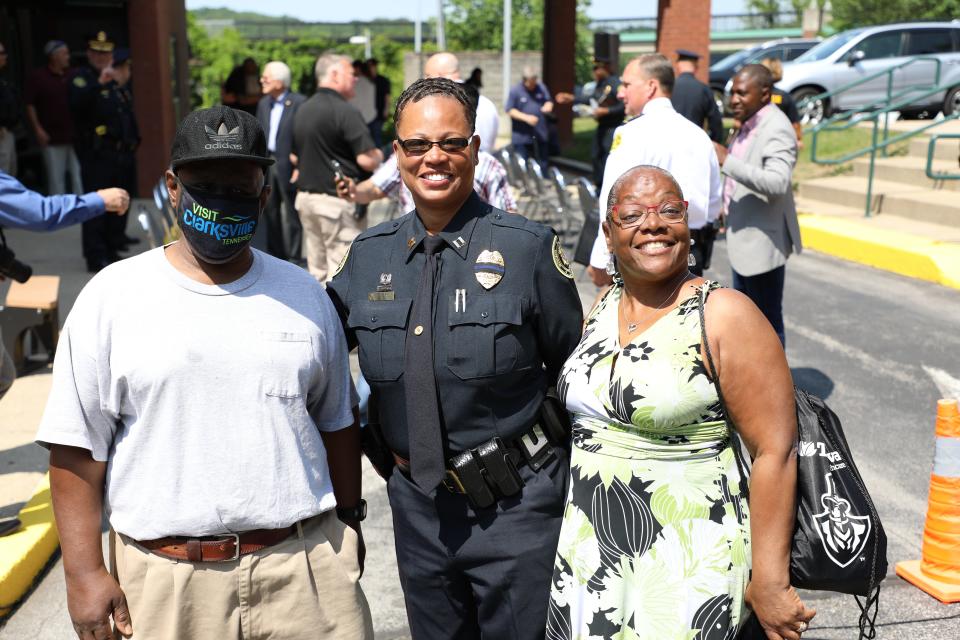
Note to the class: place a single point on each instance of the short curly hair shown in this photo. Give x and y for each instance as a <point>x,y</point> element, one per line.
<point>426,87</point>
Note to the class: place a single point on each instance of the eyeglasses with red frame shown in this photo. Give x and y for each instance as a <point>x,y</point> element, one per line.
<point>632,214</point>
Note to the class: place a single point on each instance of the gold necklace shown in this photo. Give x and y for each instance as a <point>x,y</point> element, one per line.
<point>632,326</point>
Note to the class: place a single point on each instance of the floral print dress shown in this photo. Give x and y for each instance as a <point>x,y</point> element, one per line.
<point>655,541</point>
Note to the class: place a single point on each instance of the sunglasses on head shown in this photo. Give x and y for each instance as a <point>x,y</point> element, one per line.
<point>419,146</point>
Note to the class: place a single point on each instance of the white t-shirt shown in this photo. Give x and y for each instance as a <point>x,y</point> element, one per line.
<point>206,401</point>
<point>364,99</point>
<point>488,123</point>
<point>664,138</point>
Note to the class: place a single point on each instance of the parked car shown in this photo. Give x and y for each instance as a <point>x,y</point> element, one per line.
<point>784,49</point>
<point>858,53</point>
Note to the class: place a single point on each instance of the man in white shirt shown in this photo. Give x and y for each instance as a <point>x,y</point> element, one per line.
<point>446,65</point>
<point>202,400</point>
<point>663,138</point>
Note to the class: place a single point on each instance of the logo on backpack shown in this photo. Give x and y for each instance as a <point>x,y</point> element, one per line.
<point>844,534</point>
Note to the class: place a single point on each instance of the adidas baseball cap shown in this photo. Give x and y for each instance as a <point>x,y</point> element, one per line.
<point>219,133</point>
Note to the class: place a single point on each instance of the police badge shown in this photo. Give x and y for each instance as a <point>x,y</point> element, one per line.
<point>489,268</point>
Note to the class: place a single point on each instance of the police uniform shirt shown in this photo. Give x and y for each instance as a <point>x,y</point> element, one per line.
<point>496,349</point>
<point>103,113</point>
<point>605,95</point>
<point>663,138</point>
<point>694,101</point>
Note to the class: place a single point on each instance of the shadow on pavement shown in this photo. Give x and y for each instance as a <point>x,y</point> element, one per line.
<point>813,381</point>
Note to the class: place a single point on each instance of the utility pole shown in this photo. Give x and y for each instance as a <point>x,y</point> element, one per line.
<point>441,35</point>
<point>507,46</point>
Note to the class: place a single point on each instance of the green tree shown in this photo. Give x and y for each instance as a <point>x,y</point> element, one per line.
<point>856,13</point>
<point>766,11</point>
<point>477,25</point>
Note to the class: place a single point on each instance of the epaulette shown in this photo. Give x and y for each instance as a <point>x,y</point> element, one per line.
<point>515,221</point>
<point>386,228</point>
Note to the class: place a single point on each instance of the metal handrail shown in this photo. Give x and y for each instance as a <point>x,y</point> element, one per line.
<point>931,147</point>
<point>873,112</point>
<point>888,72</point>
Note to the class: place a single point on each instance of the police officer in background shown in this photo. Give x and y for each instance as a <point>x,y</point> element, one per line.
<point>604,106</point>
<point>464,315</point>
<point>694,100</point>
<point>106,137</point>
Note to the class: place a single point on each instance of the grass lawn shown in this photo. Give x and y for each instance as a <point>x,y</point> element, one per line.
<point>832,144</point>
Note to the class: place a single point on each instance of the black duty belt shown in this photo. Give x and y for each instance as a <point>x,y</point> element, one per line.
<point>488,472</point>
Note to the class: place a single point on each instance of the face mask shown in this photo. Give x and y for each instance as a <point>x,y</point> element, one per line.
<point>217,227</point>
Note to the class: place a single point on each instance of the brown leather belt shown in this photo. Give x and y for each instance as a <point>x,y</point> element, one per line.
<point>222,548</point>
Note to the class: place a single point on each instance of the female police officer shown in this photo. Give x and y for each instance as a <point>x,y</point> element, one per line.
<point>463,315</point>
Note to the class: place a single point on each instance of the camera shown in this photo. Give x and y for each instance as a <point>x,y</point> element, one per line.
<point>11,267</point>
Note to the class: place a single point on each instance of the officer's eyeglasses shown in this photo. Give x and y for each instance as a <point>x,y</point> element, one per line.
<point>631,215</point>
<point>419,146</point>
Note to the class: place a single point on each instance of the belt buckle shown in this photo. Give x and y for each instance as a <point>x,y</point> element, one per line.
<point>452,482</point>
<point>537,453</point>
<point>236,549</point>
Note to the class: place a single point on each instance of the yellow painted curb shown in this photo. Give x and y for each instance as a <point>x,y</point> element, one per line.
<point>24,554</point>
<point>901,253</point>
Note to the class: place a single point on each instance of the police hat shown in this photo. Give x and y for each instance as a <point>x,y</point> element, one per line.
<point>100,42</point>
<point>121,55</point>
<point>219,133</point>
<point>686,54</point>
<point>600,60</point>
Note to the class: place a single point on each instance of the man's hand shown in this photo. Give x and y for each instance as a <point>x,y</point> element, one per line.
<point>601,112</point>
<point>361,546</point>
<point>106,75</point>
<point>721,152</point>
<point>563,97</point>
<point>91,600</point>
<point>115,200</point>
<point>532,120</point>
<point>347,189</point>
<point>600,277</point>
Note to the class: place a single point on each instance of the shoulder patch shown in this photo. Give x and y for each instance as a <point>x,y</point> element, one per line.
<point>79,82</point>
<point>617,139</point>
<point>343,261</point>
<point>559,260</point>
<point>776,98</point>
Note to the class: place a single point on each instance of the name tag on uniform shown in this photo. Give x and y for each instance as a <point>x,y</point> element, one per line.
<point>384,289</point>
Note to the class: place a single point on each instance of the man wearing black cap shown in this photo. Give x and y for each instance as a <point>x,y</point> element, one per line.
<point>692,99</point>
<point>105,140</point>
<point>202,400</point>
<point>605,107</point>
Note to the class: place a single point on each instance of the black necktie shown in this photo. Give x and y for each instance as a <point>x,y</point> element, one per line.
<point>427,463</point>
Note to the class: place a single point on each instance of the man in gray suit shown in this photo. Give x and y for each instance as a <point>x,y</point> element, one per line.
<point>762,227</point>
<point>275,113</point>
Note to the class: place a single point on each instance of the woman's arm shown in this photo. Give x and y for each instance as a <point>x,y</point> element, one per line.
<point>758,394</point>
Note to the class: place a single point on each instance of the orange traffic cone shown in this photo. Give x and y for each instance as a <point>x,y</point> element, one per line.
<point>938,573</point>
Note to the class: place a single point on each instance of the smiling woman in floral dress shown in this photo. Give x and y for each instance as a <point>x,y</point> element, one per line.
<point>656,539</point>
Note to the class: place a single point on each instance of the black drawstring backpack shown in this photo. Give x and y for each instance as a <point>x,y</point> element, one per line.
<point>838,543</point>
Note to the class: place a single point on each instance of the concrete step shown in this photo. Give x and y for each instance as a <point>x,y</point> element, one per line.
<point>909,170</point>
<point>910,201</point>
<point>886,221</point>
<point>945,150</point>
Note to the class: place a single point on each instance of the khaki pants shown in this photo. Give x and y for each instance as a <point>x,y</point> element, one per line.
<point>306,587</point>
<point>328,229</point>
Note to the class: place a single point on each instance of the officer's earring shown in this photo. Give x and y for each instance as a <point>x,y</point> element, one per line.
<point>691,259</point>
<point>611,266</point>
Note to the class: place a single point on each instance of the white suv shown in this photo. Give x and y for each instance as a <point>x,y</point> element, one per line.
<point>858,53</point>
